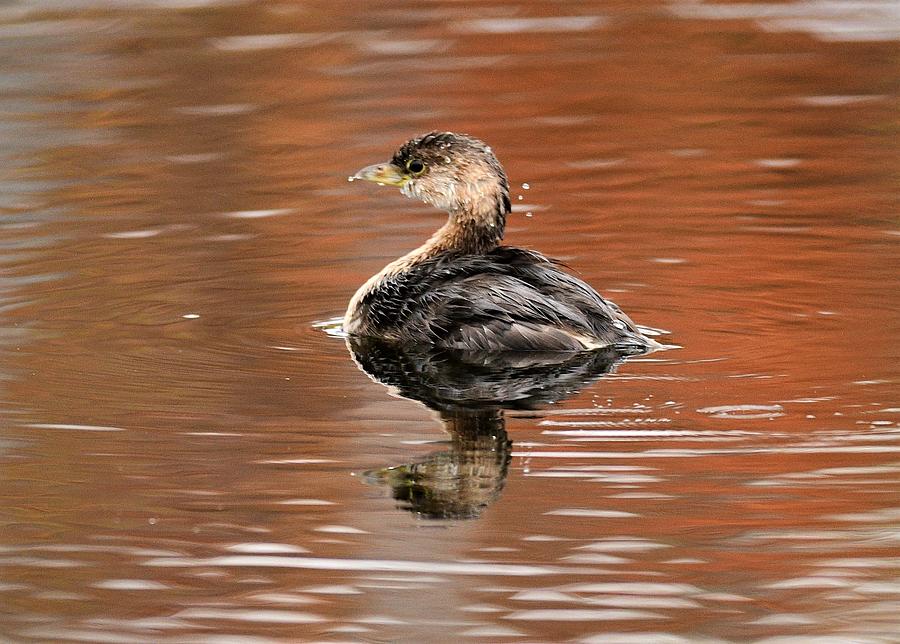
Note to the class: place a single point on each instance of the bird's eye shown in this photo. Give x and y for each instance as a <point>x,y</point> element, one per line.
<point>415,166</point>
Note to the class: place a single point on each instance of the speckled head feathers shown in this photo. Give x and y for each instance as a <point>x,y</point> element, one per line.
<point>455,172</point>
<point>434,146</point>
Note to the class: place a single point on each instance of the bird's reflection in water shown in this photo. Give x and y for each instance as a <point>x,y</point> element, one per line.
<point>469,391</point>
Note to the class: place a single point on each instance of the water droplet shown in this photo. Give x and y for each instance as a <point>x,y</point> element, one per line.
<point>525,186</point>
<point>191,316</point>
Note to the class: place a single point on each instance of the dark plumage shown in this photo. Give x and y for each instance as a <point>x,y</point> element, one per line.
<point>461,289</point>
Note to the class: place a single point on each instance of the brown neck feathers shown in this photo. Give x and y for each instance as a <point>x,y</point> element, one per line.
<point>473,231</point>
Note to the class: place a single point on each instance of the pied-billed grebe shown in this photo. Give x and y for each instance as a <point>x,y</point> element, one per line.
<point>461,289</point>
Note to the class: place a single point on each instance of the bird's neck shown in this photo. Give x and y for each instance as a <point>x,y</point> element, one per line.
<point>464,235</point>
<point>470,231</point>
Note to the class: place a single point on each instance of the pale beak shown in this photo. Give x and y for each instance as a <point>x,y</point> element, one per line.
<point>384,174</point>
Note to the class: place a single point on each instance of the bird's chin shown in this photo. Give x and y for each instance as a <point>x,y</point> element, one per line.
<point>411,190</point>
<point>440,200</point>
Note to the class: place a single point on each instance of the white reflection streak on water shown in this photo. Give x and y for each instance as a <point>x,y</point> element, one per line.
<point>373,565</point>
<point>532,25</point>
<point>685,453</point>
<point>848,20</point>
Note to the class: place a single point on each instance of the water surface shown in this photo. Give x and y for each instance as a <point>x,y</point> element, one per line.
<point>186,457</point>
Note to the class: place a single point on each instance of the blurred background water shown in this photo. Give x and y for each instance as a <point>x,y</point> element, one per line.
<point>186,457</point>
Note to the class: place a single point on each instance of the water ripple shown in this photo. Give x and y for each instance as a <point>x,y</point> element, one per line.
<point>372,565</point>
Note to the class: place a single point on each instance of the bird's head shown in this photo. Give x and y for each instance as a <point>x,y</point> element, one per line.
<point>454,172</point>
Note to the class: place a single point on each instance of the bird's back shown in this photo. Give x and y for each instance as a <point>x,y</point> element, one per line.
<point>507,299</point>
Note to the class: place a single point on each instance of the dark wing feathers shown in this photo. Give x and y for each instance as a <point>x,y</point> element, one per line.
<point>508,299</point>
<point>499,311</point>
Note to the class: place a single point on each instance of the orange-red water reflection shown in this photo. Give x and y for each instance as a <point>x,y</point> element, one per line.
<point>183,453</point>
